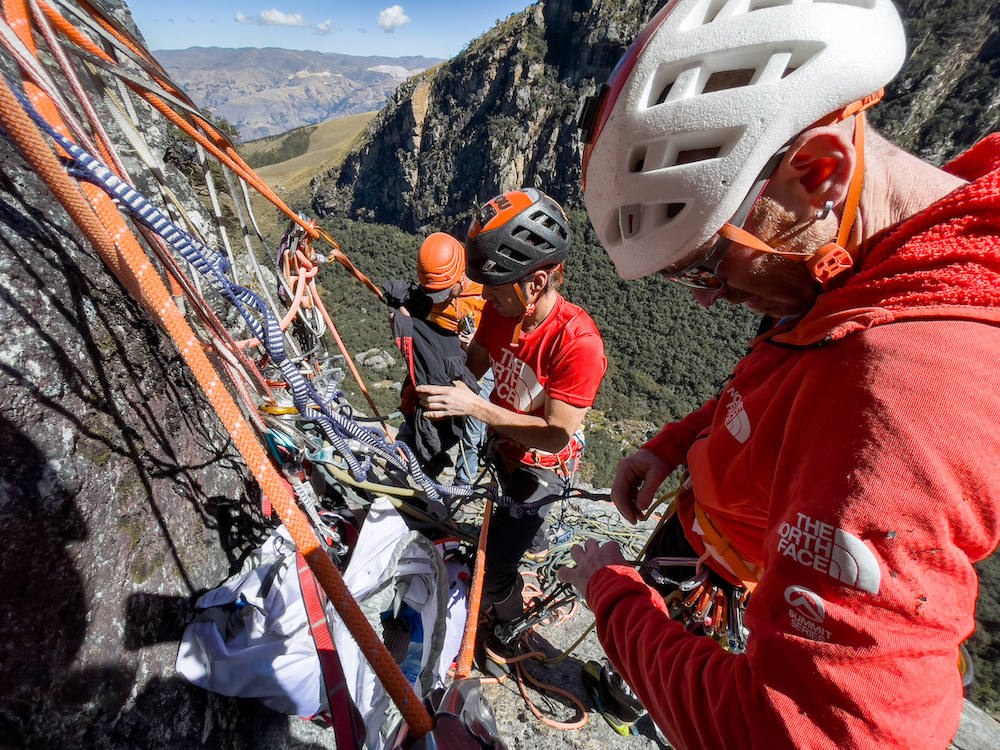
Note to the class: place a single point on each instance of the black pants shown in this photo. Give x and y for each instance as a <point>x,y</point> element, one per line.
<point>510,537</point>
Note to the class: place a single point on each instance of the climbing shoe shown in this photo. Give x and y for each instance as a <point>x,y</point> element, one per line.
<point>492,653</point>
<point>537,553</point>
<point>612,697</point>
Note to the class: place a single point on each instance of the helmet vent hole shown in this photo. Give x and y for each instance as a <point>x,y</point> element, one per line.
<point>515,255</point>
<point>866,4</point>
<point>664,92</point>
<point>762,4</point>
<point>672,210</point>
<point>698,154</point>
<point>713,9</point>
<point>637,160</point>
<point>724,80</point>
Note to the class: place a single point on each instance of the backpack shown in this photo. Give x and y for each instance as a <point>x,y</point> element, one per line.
<point>269,632</point>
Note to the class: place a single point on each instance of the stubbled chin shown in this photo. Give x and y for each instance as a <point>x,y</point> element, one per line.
<point>764,306</point>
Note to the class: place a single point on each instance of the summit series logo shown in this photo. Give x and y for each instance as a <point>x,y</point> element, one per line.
<point>807,613</point>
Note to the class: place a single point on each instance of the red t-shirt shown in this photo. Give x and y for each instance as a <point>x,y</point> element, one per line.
<point>563,358</point>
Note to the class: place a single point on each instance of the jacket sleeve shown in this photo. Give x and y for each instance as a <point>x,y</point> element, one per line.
<point>878,507</point>
<point>700,695</point>
<point>673,441</point>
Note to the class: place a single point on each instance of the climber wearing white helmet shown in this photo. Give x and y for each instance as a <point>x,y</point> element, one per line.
<point>847,472</point>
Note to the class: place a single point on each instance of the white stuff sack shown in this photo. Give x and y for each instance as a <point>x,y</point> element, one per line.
<point>251,637</point>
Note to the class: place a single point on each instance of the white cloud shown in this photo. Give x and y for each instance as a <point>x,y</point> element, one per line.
<point>392,18</point>
<point>273,17</point>
<point>325,28</point>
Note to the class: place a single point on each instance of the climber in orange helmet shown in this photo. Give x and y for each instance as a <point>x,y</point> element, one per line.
<point>548,359</point>
<point>436,319</point>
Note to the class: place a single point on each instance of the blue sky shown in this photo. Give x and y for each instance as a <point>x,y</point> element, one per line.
<point>353,27</point>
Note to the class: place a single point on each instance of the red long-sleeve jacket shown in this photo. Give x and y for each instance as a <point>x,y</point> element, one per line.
<point>856,460</point>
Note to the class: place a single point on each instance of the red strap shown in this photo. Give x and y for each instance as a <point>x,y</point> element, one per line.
<point>405,346</point>
<point>347,725</point>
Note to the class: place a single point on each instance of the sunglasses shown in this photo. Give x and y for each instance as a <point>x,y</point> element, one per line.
<point>704,272</point>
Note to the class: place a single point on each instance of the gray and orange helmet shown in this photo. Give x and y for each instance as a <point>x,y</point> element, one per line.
<point>514,234</point>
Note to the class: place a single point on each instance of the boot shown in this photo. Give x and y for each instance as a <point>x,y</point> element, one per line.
<point>614,699</point>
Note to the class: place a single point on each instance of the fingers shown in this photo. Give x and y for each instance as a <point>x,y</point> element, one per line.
<point>439,401</point>
<point>628,478</point>
<point>589,557</point>
<point>638,478</point>
<point>651,483</point>
<point>572,576</point>
<point>433,390</point>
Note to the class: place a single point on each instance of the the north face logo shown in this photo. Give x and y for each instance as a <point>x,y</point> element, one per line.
<point>830,550</point>
<point>737,421</point>
<point>517,384</point>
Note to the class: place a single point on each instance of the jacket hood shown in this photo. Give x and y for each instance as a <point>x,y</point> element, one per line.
<point>941,262</point>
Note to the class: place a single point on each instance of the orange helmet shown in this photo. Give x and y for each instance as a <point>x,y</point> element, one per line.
<point>440,265</point>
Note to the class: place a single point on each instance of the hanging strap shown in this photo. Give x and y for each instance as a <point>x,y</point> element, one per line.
<point>720,544</point>
<point>343,716</point>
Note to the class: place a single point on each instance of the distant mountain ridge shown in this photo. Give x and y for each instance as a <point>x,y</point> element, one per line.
<point>264,91</point>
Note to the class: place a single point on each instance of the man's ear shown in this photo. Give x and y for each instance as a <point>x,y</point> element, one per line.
<point>538,280</point>
<point>816,169</point>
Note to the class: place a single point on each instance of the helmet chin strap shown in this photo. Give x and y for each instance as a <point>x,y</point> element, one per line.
<point>836,257</point>
<point>529,309</point>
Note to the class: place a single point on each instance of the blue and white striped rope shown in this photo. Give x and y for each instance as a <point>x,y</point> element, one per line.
<point>336,428</point>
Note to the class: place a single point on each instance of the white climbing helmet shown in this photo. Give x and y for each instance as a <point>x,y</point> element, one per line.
<point>702,101</point>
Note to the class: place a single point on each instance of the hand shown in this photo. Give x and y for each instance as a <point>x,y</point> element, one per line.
<point>457,400</point>
<point>392,318</point>
<point>638,478</point>
<point>464,339</point>
<point>589,557</point>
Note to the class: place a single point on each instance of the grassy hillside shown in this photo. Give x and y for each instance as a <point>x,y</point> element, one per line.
<point>288,161</point>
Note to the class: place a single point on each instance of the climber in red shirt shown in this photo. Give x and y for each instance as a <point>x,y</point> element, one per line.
<point>847,471</point>
<point>548,362</point>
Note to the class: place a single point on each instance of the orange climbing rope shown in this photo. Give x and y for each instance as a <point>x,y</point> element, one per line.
<point>463,667</point>
<point>223,150</point>
<point>119,248</point>
<point>219,145</point>
<point>105,228</point>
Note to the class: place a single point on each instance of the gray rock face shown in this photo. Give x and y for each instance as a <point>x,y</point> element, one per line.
<point>500,115</point>
<point>120,497</point>
<point>503,113</point>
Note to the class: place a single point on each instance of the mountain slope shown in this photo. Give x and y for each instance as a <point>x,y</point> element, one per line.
<point>268,91</point>
<point>289,161</point>
<point>502,113</point>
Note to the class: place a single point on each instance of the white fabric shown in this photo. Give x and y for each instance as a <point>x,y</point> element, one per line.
<point>263,649</point>
<point>269,654</point>
<point>391,563</point>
